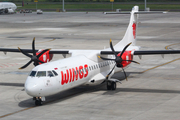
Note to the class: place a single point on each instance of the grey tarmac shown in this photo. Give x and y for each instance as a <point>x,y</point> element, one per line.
<point>152,91</point>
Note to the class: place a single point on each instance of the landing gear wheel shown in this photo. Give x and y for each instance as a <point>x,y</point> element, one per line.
<point>108,85</point>
<point>111,85</point>
<point>38,102</point>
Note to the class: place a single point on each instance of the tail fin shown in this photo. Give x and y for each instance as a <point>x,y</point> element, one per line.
<point>130,35</point>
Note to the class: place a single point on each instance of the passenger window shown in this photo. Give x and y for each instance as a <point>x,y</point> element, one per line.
<point>50,74</point>
<point>89,68</point>
<point>41,74</point>
<point>33,73</point>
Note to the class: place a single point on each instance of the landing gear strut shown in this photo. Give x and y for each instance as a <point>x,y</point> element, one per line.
<point>38,100</point>
<point>111,85</point>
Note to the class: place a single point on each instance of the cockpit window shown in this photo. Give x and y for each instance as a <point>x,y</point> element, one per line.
<point>55,73</point>
<point>41,74</point>
<point>50,74</point>
<point>33,73</point>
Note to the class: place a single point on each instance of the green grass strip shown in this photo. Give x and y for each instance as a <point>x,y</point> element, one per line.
<point>98,6</point>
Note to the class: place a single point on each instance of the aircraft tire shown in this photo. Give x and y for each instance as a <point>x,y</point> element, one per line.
<point>38,102</point>
<point>108,85</point>
<point>113,85</point>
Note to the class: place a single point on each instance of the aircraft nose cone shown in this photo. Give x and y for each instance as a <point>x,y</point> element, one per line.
<point>31,89</point>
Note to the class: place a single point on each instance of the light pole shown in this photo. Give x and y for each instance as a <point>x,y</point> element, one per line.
<point>63,6</point>
<point>145,5</point>
<point>112,3</point>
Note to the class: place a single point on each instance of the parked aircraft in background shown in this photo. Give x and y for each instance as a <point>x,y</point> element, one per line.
<point>7,7</point>
<point>84,67</point>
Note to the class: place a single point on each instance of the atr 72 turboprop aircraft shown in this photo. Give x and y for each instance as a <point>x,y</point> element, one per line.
<point>7,7</point>
<point>84,67</point>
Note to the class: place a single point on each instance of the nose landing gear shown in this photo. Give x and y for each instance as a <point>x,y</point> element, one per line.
<point>39,100</point>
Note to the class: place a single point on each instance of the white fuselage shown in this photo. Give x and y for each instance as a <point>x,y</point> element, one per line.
<point>8,5</point>
<point>84,67</point>
<point>66,73</point>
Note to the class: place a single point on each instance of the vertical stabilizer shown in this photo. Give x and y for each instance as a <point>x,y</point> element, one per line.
<point>130,35</point>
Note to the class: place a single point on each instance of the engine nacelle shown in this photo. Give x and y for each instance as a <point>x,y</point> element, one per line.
<point>126,56</point>
<point>46,57</point>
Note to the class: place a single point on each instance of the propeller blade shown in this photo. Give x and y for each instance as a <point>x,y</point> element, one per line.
<point>39,61</point>
<point>35,63</point>
<point>132,61</point>
<point>125,74</point>
<point>110,71</point>
<point>125,49</point>
<point>112,48</point>
<point>33,47</point>
<point>42,52</point>
<point>34,57</point>
<point>105,58</point>
<point>26,65</point>
<point>26,54</point>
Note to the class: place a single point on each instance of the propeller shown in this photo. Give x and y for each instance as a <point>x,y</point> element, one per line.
<point>118,59</point>
<point>34,57</point>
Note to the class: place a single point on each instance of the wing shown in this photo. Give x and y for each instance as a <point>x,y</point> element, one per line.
<point>145,52</point>
<point>36,56</point>
<point>31,51</point>
<point>138,52</point>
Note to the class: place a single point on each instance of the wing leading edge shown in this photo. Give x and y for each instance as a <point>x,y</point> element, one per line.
<point>139,52</point>
<point>31,51</point>
<point>145,52</point>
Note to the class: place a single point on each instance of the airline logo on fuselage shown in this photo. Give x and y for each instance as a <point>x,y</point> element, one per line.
<point>70,75</point>
<point>134,30</point>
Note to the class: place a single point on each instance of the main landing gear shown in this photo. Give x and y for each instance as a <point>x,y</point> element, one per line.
<point>39,100</point>
<point>111,85</point>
